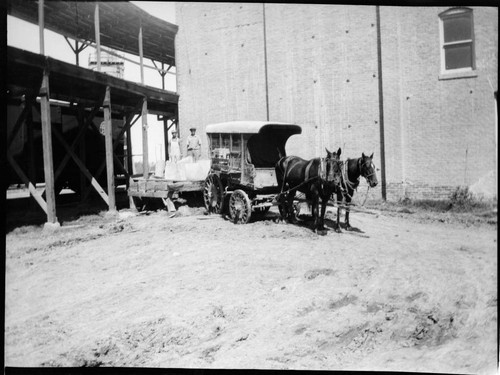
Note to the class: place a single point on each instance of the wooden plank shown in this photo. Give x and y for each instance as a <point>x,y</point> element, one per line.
<point>108,140</point>
<point>48,164</point>
<point>148,194</point>
<point>82,167</point>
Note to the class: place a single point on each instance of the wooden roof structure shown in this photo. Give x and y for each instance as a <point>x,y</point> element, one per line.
<point>119,26</point>
<point>72,83</point>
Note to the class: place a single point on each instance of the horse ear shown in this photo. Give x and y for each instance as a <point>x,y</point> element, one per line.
<point>363,155</point>
<point>339,151</point>
<point>327,152</point>
<point>371,156</point>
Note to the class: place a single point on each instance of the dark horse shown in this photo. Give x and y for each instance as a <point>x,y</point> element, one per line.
<point>352,170</point>
<point>316,178</point>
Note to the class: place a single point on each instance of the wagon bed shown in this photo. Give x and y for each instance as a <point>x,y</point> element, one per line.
<point>160,188</point>
<point>155,187</point>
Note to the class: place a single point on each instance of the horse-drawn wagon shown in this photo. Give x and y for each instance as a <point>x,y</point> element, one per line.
<point>242,177</point>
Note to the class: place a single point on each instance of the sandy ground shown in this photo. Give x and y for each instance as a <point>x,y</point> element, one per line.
<point>407,292</point>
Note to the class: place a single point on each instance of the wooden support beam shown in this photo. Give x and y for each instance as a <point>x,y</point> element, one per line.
<point>31,143</point>
<point>108,141</point>
<point>165,136</point>
<point>79,139</point>
<point>130,166</point>
<point>82,123</point>
<point>48,163</point>
<point>38,197</point>
<point>145,150</point>
<point>41,26</point>
<point>97,36</point>
<point>82,167</point>
<point>77,49</point>
<point>141,62</point>
<point>115,143</point>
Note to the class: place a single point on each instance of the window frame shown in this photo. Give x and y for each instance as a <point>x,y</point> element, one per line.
<point>468,71</point>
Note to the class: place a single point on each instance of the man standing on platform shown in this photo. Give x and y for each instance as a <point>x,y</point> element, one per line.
<point>194,145</point>
<point>174,148</point>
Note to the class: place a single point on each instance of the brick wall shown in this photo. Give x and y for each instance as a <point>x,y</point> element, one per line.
<point>440,133</point>
<point>322,74</point>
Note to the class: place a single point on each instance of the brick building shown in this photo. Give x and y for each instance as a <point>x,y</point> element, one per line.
<point>416,86</point>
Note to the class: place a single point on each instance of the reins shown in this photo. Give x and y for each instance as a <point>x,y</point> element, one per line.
<point>354,185</point>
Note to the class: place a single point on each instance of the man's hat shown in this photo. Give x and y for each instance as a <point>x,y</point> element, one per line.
<point>192,128</point>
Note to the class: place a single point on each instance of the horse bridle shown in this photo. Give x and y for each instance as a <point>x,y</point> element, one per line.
<point>362,167</point>
<point>334,161</point>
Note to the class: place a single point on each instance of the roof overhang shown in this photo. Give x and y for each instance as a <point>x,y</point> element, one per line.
<point>119,25</point>
<point>72,83</point>
<point>253,127</point>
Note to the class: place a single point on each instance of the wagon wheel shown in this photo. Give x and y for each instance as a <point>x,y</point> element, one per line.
<point>213,194</point>
<point>240,207</point>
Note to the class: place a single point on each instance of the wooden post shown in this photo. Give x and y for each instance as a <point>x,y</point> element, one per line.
<point>145,150</point>
<point>41,26</point>
<point>381,106</point>
<point>32,189</point>
<point>28,102</point>
<point>165,136</point>
<point>97,36</point>
<point>82,166</point>
<point>130,167</point>
<point>140,55</point>
<point>77,53</point>
<point>108,137</point>
<point>82,150</point>
<point>48,164</point>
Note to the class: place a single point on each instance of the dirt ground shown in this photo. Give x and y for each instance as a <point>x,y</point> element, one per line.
<point>408,291</point>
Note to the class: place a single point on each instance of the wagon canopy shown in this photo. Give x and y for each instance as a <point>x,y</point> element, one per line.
<point>253,127</point>
<point>266,141</point>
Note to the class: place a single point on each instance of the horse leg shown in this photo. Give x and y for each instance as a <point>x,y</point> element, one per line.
<point>324,202</point>
<point>315,211</point>
<point>347,209</point>
<point>289,207</point>
<point>282,207</point>
<point>337,224</point>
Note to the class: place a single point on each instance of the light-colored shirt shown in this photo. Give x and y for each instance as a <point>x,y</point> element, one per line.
<point>193,142</point>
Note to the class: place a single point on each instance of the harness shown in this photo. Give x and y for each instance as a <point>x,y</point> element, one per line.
<point>354,185</point>
<point>321,174</point>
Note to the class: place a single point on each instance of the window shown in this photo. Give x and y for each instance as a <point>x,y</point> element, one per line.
<point>457,40</point>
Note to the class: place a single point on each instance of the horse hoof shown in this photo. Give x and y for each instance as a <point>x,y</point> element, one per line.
<point>321,232</point>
